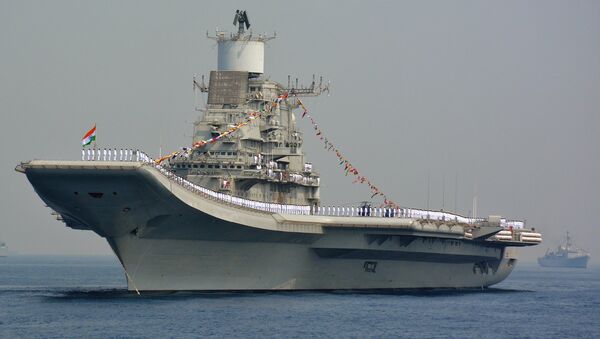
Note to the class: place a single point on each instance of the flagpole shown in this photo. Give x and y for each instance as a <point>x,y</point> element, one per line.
<point>96,136</point>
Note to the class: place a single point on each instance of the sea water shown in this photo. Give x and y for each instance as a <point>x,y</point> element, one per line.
<point>49,297</point>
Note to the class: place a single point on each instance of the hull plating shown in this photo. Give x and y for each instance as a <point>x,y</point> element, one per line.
<point>577,262</point>
<point>154,264</point>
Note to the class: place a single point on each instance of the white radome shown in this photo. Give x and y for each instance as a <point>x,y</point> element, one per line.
<point>242,55</point>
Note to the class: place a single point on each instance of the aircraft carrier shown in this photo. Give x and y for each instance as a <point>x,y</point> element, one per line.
<point>240,209</point>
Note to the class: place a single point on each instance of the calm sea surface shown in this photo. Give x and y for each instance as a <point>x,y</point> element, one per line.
<point>86,297</point>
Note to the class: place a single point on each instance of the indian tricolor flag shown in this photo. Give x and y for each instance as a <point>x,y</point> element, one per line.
<point>89,137</point>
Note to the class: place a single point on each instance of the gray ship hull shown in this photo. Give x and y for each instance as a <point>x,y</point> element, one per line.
<point>555,261</point>
<point>220,265</point>
<point>167,238</point>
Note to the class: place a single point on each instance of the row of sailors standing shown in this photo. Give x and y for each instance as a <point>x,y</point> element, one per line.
<point>390,212</point>
<point>107,154</point>
<point>358,211</point>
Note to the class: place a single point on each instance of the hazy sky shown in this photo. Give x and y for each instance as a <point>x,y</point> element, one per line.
<point>503,96</point>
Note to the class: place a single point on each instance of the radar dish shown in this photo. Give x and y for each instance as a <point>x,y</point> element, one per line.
<point>236,17</point>
<point>246,20</point>
<point>241,19</point>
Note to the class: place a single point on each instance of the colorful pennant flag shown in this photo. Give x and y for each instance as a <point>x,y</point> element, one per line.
<point>329,146</point>
<point>348,167</point>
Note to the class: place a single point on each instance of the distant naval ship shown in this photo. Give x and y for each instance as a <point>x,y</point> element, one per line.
<point>240,209</point>
<point>3,249</point>
<point>565,255</point>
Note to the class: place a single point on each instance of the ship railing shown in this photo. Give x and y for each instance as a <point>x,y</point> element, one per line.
<point>230,199</point>
<point>330,211</point>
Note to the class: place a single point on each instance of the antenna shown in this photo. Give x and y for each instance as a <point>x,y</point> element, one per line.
<point>202,88</point>
<point>475,200</point>
<point>428,187</point>
<point>455,192</point>
<point>160,146</point>
<point>443,191</point>
<point>314,89</point>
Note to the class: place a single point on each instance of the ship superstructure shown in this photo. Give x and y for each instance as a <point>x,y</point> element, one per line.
<point>264,160</point>
<point>565,255</point>
<point>240,208</point>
